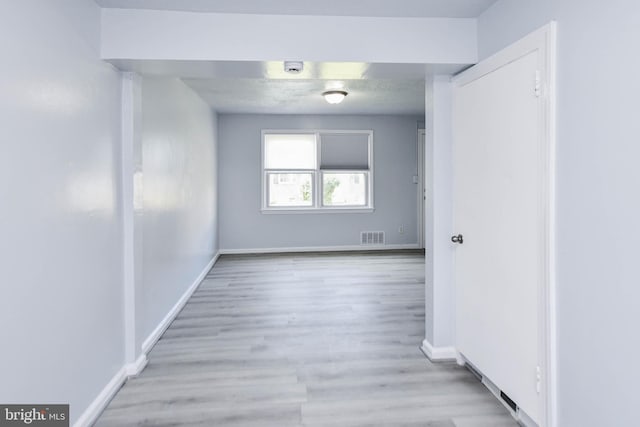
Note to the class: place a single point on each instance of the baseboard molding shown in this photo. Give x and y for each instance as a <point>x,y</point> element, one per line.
<point>94,410</point>
<point>347,248</point>
<point>438,354</point>
<point>134,369</point>
<point>153,338</point>
<point>91,414</point>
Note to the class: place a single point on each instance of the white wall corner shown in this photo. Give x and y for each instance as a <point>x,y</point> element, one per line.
<point>442,204</point>
<point>438,354</point>
<point>153,338</point>
<point>131,146</point>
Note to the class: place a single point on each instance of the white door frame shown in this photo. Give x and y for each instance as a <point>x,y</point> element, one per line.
<point>544,42</point>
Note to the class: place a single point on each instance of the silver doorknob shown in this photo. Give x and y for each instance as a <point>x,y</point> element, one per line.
<point>457,239</point>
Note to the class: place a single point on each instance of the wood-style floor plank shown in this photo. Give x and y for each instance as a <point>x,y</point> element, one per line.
<point>323,339</point>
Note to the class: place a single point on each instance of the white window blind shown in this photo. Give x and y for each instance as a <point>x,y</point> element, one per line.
<point>317,171</point>
<point>290,151</point>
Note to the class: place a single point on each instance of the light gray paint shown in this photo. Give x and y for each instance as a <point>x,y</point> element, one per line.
<point>179,185</point>
<point>313,70</point>
<point>62,303</point>
<point>132,210</point>
<point>429,211</point>
<point>243,226</point>
<point>381,62</point>
<point>398,8</point>
<point>439,215</point>
<point>597,203</point>
<point>144,35</point>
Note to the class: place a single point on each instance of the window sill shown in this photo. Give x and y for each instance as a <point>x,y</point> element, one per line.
<point>277,211</point>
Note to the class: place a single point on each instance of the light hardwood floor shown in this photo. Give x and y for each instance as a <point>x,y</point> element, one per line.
<point>304,340</point>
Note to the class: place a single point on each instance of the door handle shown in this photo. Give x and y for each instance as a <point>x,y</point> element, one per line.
<point>457,239</point>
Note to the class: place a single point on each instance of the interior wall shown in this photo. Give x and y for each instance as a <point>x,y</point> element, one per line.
<point>244,227</point>
<point>429,212</point>
<point>179,223</point>
<point>142,34</point>
<point>441,217</point>
<point>597,204</point>
<point>62,304</point>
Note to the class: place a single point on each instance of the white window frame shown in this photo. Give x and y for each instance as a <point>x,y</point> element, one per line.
<point>316,184</point>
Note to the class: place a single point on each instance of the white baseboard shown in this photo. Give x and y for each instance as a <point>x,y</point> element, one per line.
<point>134,369</point>
<point>346,248</point>
<point>438,354</point>
<point>153,338</point>
<point>94,410</point>
<point>91,414</point>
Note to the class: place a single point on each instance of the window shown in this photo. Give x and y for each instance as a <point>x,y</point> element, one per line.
<point>317,171</point>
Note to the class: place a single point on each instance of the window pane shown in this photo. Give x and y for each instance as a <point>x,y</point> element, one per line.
<point>344,189</point>
<point>290,189</point>
<point>290,151</point>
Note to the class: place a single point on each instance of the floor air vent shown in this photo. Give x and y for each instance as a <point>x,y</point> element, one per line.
<point>372,238</point>
<point>508,401</point>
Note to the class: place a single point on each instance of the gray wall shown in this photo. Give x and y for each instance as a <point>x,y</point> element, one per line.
<point>179,223</point>
<point>439,262</point>
<point>61,308</point>
<point>243,226</point>
<point>598,203</point>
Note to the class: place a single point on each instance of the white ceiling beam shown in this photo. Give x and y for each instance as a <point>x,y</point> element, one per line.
<point>171,35</point>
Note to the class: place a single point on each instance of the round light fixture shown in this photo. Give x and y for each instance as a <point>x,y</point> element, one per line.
<point>334,96</point>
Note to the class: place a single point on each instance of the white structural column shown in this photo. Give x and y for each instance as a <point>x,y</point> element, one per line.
<point>132,207</point>
<point>440,296</point>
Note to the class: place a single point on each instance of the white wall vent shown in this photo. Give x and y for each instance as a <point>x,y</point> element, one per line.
<point>372,238</point>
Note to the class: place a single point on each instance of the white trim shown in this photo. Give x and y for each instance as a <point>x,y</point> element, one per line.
<point>551,382</point>
<point>129,370</point>
<point>91,414</point>
<point>519,415</point>
<point>153,338</point>
<point>293,210</point>
<point>438,354</point>
<point>536,40</point>
<point>134,369</point>
<point>346,248</point>
<point>317,206</point>
<point>543,41</point>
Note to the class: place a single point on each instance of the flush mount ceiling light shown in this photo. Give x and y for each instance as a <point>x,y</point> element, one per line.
<point>334,96</point>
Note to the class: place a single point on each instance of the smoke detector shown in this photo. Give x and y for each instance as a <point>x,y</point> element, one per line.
<point>293,67</point>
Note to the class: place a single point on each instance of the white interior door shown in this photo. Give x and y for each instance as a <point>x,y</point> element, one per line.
<point>499,202</point>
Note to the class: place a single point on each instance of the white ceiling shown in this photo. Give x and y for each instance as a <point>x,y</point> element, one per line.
<point>264,87</point>
<point>304,96</point>
<point>382,8</point>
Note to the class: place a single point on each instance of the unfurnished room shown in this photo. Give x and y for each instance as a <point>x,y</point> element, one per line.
<point>332,213</point>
